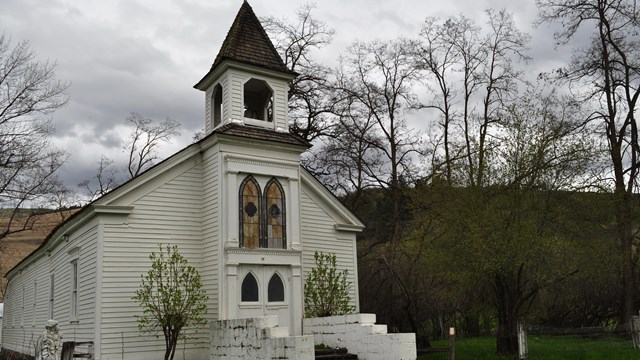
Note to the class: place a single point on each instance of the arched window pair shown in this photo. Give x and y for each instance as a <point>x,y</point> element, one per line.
<point>250,291</point>
<point>262,217</point>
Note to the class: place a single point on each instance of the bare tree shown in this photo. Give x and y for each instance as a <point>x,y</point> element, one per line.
<point>606,77</point>
<point>474,77</point>
<point>378,77</point>
<point>448,47</point>
<point>142,152</point>
<point>29,93</point>
<point>505,42</point>
<point>310,100</point>
<point>350,160</point>
<point>107,179</point>
<point>144,140</point>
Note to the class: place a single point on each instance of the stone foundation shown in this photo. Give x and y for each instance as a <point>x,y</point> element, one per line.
<point>257,338</point>
<point>361,336</point>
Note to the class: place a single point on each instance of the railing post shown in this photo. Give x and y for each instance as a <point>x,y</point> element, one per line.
<point>635,331</point>
<point>523,346</point>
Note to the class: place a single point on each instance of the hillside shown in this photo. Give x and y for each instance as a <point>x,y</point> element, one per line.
<point>17,246</point>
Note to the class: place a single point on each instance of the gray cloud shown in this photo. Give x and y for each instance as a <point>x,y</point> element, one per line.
<point>145,55</point>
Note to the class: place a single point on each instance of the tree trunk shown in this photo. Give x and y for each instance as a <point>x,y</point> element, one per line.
<point>472,323</point>
<point>625,234</point>
<point>507,338</point>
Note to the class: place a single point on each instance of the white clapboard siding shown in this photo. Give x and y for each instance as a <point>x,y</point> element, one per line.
<point>319,234</point>
<point>280,103</point>
<point>210,267</point>
<point>236,80</point>
<point>24,326</point>
<point>168,214</point>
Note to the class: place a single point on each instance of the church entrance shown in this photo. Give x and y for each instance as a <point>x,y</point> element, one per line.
<point>265,290</point>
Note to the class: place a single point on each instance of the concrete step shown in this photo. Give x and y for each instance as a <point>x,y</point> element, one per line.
<point>277,332</point>
<point>334,354</point>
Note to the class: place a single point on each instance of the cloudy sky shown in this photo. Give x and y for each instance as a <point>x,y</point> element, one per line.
<point>144,56</point>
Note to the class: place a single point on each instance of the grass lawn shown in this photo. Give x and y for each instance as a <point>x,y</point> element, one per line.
<point>543,347</point>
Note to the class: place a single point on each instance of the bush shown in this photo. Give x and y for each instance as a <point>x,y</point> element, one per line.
<point>326,291</point>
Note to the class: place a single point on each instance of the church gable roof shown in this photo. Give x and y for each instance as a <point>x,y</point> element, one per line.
<point>247,42</point>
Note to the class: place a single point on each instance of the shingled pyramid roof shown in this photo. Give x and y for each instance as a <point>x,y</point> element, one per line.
<point>248,43</point>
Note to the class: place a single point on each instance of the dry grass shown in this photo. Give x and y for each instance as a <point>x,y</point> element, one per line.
<point>17,246</point>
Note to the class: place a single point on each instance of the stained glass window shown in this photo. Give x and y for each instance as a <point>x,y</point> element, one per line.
<point>275,230</point>
<point>250,201</point>
<point>249,289</point>
<point>275,290</point>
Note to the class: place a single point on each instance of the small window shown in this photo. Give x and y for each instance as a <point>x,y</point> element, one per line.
<point>250,204</point>
<point>51,293</point>
<point>216,100</point>
<point>258,100</point>
<point>74,289</point>
<point>275,290</point>
<point>249,288</point>
<point>35,299</point>
<point>22,313</point>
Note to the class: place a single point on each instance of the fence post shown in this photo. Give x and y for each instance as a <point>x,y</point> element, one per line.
<point>635,331</point>
<point>523,346</point>
<point>452,343</point>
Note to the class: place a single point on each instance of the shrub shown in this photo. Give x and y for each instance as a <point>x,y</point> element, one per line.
<point>326,291</point>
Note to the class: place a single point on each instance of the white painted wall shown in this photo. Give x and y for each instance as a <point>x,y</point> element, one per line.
<point>169,211</point>
<point>211,266</point>
<point>22,323</point>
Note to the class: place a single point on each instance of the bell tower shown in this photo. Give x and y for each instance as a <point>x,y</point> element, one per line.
<point>248,81</point>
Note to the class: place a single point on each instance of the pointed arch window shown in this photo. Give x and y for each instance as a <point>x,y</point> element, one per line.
<point>262,217</point>
<point>275,289</point>
<point>250,205</point>
<point>274,215</point>
<point>249,288</point>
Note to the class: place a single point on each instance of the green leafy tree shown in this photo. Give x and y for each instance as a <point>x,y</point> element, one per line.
<point>172,298</point>
<point>326,291</point>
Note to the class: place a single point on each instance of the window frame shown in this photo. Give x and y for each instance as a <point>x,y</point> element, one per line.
<point>241,209</point>
<point>265,114</point>
<point>262,212</point>
<point>22,313</point>
<point>217,105</point>
<point>74,290</point>
<point>257,289</point>
<point>275,274</point>
<point>283,214</point>
<point>35,302</point>
<point>51,295</point>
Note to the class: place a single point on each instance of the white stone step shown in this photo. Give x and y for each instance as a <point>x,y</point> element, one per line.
<point>277,332</point>
<point>375,329</point>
